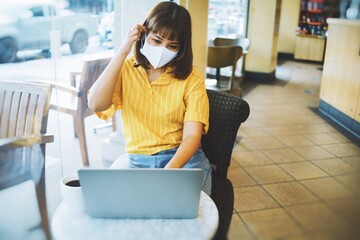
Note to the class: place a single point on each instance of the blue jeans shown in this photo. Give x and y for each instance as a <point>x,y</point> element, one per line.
<point>160,159</point>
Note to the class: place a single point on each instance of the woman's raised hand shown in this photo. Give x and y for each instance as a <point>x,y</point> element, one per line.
<point>132,36</point>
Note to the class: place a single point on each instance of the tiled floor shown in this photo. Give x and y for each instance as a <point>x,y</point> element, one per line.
<point>295,175</point>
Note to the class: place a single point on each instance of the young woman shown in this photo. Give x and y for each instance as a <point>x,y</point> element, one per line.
<point>165,108</point>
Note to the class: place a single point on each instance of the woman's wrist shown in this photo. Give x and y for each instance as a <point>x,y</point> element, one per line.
<point>173,164</point>
<point>121,54</point>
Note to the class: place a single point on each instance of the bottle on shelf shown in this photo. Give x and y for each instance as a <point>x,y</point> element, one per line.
<point>312,17</point>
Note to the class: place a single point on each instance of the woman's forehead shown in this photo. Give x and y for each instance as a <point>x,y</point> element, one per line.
<point>165,37</point>
<point>166,33</point>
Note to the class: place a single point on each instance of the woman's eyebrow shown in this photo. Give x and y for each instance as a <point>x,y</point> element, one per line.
<point>161,38</point>
<point>158,36</point>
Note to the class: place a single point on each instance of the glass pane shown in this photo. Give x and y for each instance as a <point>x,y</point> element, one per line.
<point>227,18</point>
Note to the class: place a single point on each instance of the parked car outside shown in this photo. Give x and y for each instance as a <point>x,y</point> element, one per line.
<point>26,25</point>
<point>106,29</point>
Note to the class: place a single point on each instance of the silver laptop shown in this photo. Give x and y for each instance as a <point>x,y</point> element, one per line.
<point>141,193</point>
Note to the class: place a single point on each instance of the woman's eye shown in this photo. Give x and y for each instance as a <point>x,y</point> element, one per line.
<point>173,47</point>
<point>157,41</point>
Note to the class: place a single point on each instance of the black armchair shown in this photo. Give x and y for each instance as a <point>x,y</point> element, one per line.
<point>227,112</point>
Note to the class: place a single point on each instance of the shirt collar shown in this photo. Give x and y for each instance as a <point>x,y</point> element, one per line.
<point>164,78</point>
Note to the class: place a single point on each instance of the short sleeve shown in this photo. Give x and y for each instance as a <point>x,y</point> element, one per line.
<point>196,100</point>
<point>116,100</point>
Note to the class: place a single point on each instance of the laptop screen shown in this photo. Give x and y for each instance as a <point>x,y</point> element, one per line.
<point>141,193</point>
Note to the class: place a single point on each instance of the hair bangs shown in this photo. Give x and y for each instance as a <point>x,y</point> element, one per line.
<point>166,29</point>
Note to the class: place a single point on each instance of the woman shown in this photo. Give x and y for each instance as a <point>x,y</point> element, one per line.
<point>165,108</point>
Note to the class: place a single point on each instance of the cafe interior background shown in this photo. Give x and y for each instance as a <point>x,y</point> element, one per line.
<point>295,169</point>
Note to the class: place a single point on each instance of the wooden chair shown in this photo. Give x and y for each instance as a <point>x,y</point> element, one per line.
<point>223,56</point>
<point>72,99</point>
<point>227,112</point>
<point>24,112</point>
<point>242,42</point>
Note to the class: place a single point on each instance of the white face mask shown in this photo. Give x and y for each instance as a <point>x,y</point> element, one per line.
<point>157,56</point>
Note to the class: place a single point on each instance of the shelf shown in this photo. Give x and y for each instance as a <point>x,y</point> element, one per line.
<point>317,1</point>
<point>309,35</point>
<point>315,23</point>
<point>315,10</point>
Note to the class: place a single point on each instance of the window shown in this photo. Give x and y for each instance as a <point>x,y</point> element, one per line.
<point>37,11</point>
<point>227,18</point>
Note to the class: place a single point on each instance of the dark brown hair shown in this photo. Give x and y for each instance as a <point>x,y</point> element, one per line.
<point>171,21</point>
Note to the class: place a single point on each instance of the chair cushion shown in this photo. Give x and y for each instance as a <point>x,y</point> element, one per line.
<point>222,194</point>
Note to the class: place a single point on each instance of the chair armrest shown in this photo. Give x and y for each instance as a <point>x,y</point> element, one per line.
<point>11,142</point>
<point>63,87</point>
<point>47,138</point>
<point>66,88</point>
<point>73,76</point>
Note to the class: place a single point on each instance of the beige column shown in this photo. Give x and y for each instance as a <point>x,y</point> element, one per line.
<point>263,26</point>
<point>289,20</point>
<point>198,10</point>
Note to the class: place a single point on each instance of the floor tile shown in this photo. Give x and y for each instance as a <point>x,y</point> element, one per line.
<point>270,223</point>
<point>343,150</point>
<point>315,216</point>
<point>353,161</point>
<point>351,181</point>
<point>268,174</point>
<point>238,230</point>
<point>298,236</point>
<point>294,140</point>
<point>313,152</point>
<point>348,232</point>
<point>339,136</point>
<point>327,188</point>
<point>306,129</point>
<point>284,155</point>
<point>245,145</point>
<point>347,207</point>
<point>252,198</point>
<point>287,120</point>
<point>291,193</point>
<point>310,119</point>
<point>278,130</point>
<point>233,163</point>
<point>250,158</point>
<point>303,170</point>
<point>251,131</point>
<point>324,127</point>
<point>322,138</point>
<point>266,142</point>
<point>335,166</point>
<point>240,178</point>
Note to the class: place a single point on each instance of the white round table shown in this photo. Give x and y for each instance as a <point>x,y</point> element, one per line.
<point>66,225</point>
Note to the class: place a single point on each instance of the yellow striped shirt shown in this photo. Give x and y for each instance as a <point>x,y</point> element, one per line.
<point>154,113</point>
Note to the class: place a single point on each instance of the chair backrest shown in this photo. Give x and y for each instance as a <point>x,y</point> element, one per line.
<point>227,41</point>
<point>21,167</point>
<point>223,56</point>
<point>242,42</point>
<point>92,69</point>
<point>227,112</point>
<point>24,108</point>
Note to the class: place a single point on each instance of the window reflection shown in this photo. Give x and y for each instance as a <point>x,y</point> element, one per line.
<point>227,18</point>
